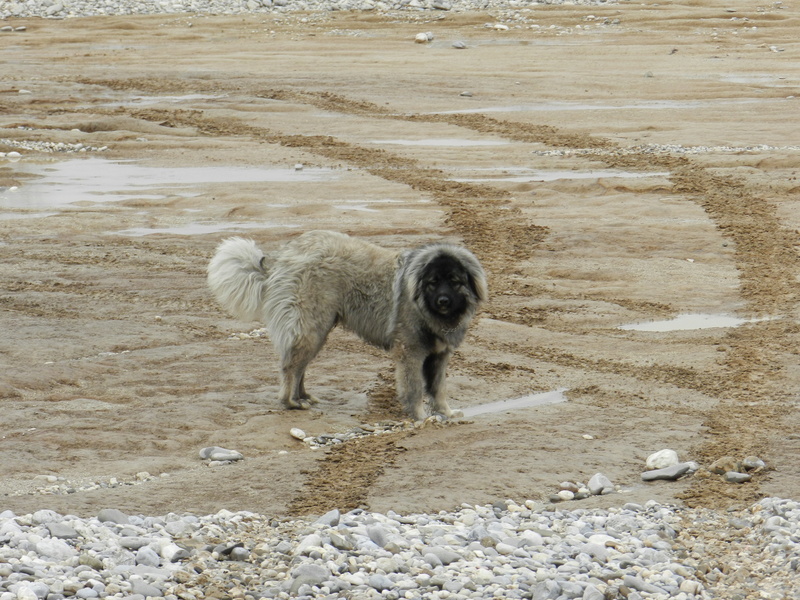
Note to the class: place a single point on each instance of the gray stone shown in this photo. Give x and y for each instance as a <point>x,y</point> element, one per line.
<point>114,516</point>
<point>133,542</point>
<point>145,589</point>
<point>445,555</point>
<point>735,477</point>
<point>309,541</point>
<point>378,534</point>
<point>310,574</point>
<point>55,548</point>
<point>668,473</point>
<point>46,516</point>
<point>147,556</point>
<point>751,463</point>
<point>546,590</point>
<point>215,453</point>
<point>62,531</point>
<point>433,560</point>
<point>380,582</point>
<point>640,584</point>
<point>329,519</point>
<point>343,543</point>
<point>600,484</point>
<point>592,593</point>
<point>239,553</point>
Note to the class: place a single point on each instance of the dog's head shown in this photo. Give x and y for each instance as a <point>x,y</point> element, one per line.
<point>449,282</point>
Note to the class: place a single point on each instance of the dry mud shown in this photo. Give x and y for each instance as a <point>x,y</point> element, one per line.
<point>115,359</point>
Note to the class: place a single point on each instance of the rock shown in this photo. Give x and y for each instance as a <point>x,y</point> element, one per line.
<point>114,516</point>
<point>662,459</point>
<point>422,38</point>
<point>445,555</point>
<point>380,582</point>
<point>310,541</point>
<point>147,556</point>
<point>297,433</point>
<point>691,587</point>
<point>145,589</point>
<point>62,531</point>
<point>329,519</point>
<point>668,473</point>
<point>432,560</point>
<point>378,534</point>
<point>736,477</point>
<point>239,554</point>
<point>55,548</point>
<point>343,543</point>
<point>726,464</point>
<point>600,484</point>
<point>546,590</point>
<point>566,495</point>
<point>459,45</point>
<point>173,553</point>
<point>751,463</point>
<point>217,454</point>
<point>570,486</point>
<point>637,583</point>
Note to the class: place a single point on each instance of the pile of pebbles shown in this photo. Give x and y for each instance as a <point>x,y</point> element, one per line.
<point>90,8</point>
<point>53,485</point>
<point>44,147</point>
<point>503,550</point>
<point>664,465</point>
<point>663,149</point>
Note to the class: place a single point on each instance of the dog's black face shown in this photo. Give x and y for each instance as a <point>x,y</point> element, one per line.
<point>446,288</point>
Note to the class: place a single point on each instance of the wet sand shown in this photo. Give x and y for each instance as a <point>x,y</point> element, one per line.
<point>554,170</point>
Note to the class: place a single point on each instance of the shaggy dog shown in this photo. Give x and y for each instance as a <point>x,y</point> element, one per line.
<point>416,303</point>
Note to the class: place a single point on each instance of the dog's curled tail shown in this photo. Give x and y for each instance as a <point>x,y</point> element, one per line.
<point>237,278</point>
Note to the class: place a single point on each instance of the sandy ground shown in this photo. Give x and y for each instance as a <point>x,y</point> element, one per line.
<point>115,359</point>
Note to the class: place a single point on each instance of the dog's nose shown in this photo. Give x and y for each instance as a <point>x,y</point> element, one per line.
<point>443,301</point>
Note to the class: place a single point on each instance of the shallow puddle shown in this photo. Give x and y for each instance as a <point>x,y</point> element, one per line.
<point>530,401</point>
<point>443,142</point>
<point>640,105</point>
<point>150,100</point>
<point>97,180</point>
<point>363,206</point>
<point>691,321</point>
<point>526,175</point>
<point>199,229</point>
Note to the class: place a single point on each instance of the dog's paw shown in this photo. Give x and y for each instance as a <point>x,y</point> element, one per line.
<point>296,404</point>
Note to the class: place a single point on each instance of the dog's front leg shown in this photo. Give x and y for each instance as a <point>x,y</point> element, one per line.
<point>435,373</point>
<point>409,381</point>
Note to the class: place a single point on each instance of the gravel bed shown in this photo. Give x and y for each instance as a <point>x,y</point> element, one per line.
<point>60,9</point>
<point>506,550</point>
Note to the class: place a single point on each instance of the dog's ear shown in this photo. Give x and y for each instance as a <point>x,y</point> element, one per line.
<point>477,283</point>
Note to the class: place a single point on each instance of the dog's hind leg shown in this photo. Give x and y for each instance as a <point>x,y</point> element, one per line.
<point>304,395</point>
<point>293,371</point>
